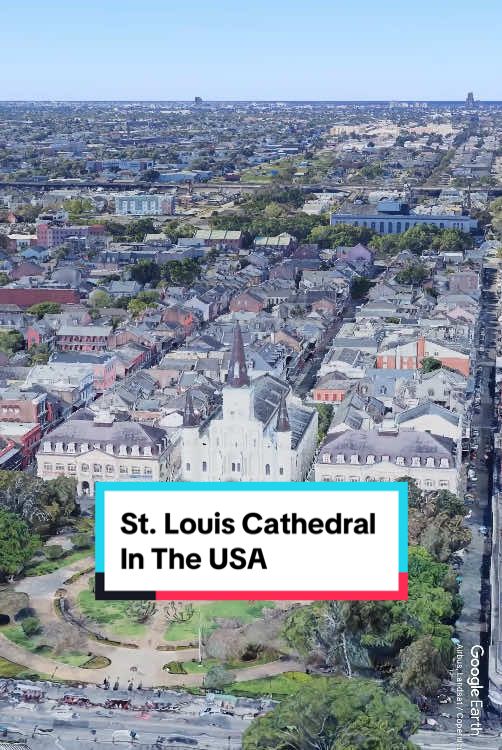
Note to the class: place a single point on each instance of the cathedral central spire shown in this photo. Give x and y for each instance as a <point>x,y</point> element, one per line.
<point>237,370</point>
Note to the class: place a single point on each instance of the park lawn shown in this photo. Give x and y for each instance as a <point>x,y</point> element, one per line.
<point>193,667</point>
<point>36,645</point>
<point>250,175</point>
<point>245,611</point>
<point>43,567</point>
<point>8,669</point>
<point>280,686</point>
<point>110,613</point>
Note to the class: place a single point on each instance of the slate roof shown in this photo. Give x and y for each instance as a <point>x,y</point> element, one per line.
<point>406,444</point>
<point>427,408</point>
<point>81,428</point>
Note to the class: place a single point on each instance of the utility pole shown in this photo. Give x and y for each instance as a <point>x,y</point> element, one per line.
<point>200,639</point>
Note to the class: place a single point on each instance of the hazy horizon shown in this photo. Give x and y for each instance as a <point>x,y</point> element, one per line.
<point>259,51</point>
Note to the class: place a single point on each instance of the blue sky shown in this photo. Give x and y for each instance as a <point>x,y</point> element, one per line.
<point>251,49</point>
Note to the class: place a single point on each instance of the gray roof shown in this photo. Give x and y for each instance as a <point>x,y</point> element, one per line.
<point>383,382</point>
<point>81,428</point>
<point>427,408</point>
<point>267,394</point>
<point>403,443</point>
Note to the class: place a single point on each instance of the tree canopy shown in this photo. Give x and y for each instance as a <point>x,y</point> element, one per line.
<point>43,505</point>
<point>11,341</point>
<point>44,308</point>
<point>337,714</point>
<point>17,544</point>
<point>348,636</point>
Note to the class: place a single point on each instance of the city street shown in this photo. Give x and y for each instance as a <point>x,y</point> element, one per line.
<point>45,727</point>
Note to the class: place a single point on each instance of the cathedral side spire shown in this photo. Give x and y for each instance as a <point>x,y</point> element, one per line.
<point>283,424</point>
<point>237,370</point>
<point>189,418</point>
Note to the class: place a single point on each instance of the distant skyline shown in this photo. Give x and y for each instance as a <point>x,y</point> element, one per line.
<point>275,50</point>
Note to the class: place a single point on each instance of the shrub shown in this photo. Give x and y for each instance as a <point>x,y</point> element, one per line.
<point>82,541</point>
<point>31,626</point>
<point>53,551</point>
<point>175,667</point>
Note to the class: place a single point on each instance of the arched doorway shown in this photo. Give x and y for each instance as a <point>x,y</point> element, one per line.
<point>86,490</point>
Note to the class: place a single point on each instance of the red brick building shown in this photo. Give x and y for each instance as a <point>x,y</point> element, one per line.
<point>28,296</point>
<point>247,301</point>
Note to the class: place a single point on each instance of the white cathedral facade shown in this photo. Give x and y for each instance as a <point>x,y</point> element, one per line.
<point>257,435</point>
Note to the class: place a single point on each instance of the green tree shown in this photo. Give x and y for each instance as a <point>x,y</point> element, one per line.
<point>325,415</point>
<point>136,307</point>
<point>17,544</point>
<point>414,273</point>
<point>44,505</point>
<point>145,272</point>
<point>82,541</point>
<point>339,633</point>
<point>101,298</point>
<point>150,175</point>
<point>344,235</point>
<point>31,626</point>
<point>429,364</point>
<point>336,714</point>
<point>136,230</point>
<point>53,551</point>
<point>360,287</point>
<point>44,308</point>
<point>217,678</point>
<point>141,611</point>
<point>11,341</point>
<point>423,667</point>
<point>38,354</point>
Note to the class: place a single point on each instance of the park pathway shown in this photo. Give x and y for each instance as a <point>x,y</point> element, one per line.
<point>146,662</point>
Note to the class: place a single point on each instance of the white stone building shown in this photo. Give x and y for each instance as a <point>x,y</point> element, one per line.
<point>100,447</point>
<point>258,434</point>
<point>386,455</point>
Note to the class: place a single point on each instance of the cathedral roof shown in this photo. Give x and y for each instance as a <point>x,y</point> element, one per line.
<point>267,393</point>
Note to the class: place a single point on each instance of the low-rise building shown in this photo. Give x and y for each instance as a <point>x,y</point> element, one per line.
<point>102,447</point>
<point>389,454</point>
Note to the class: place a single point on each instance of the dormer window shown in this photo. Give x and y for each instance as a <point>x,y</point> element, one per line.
<point>47,447</point>
<point>109,447</point>
<point>84,447</point>
<point>135,450</point>
<point>370,459</point>
<point>326,458</point>
<point>123,450</point>
<point>385,458</point>
<point>444,463</point>
<point>415,461</point>
<point>147,450</point>
<point>59,447</point>
<point>354,459</point>
<point>400,460</point>
<point>340,458</point>
<point>429,461</point>
<point>70,448</point>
